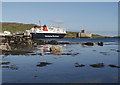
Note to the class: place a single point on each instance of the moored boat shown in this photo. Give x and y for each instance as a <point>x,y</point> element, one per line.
<point>47,32</point>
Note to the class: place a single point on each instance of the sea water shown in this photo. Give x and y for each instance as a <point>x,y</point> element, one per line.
<point>62,69</point>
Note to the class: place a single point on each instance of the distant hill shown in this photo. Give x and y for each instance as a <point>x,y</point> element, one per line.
<point>15,27</point>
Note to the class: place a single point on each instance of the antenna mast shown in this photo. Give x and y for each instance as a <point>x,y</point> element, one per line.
<point>39,22</point>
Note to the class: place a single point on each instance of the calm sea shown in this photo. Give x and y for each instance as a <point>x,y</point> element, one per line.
<point>62,69</point>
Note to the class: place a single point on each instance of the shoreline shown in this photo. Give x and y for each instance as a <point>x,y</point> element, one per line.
<point>15,27</point>
<point>24,45</point>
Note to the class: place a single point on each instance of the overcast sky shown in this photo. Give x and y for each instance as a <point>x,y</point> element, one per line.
<point>96,17</point>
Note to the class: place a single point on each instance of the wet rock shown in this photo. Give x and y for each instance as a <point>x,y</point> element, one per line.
<point>35,76</point>
<point>53,42</point>
<point>39,42</point>
<point>13,67</point>
<point>89,44</point>
<point>41,64</point>
<point>4,63</point>
<point>62,54</point>
<point>18,43</point>
<point>69,54</point>
<point>100,43</point>
<point>29,41</point>
<point>79,65</point>
<point>34,54</point>
<point>94,50</point>
<point>118,50</point>
<point>105,53</point>
<point>114,66</point>
<point>4,66</point>
<point>64,42</point>
<point>15,52</point>
<point>12,41</point>
<point>5,46</point>
<point>55,50</point>
<point>98,65</point>
<point>42,54</point>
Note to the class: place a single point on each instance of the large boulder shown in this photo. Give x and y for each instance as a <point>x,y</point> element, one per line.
<point>55,49</point>
<point>100,43</point>
<point>5,46</point>
<point>89,43</point>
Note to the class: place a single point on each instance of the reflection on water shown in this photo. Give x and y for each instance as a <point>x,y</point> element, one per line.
<point>88,64</point>
<point>43,48</point>
<point>47,49</point>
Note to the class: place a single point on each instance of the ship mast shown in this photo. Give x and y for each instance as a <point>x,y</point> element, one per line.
<point>40,22</point>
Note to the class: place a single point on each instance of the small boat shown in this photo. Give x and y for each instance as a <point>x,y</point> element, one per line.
<point>46,32</point>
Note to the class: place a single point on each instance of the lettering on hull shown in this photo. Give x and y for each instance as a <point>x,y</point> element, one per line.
<point>51,36</point>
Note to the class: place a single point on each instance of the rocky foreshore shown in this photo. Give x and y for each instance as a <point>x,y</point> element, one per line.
<point>16,45</point>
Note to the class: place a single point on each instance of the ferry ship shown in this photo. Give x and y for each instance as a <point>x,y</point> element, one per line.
<point>47,32</point>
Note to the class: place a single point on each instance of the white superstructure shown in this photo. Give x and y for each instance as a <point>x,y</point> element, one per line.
<point>50,29</point>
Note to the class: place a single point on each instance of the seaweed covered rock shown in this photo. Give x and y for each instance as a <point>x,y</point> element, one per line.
<point>89,43</point>
<point>4,63</point>
<point>79,65</point>
<point>98,65</point>
<point>13,67</point>
<point>15,52</point>
<point>41,64</point>
<point>114,66</point>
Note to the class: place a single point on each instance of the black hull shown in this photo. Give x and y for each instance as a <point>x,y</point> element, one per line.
<point>47,35</point>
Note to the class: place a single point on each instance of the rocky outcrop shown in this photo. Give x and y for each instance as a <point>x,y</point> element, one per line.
<point>98,65</point>
<point>5,46</point>
<point>89,43</point>
<point>114,66</point>
<point>16,43</point>
<point>100,43</point>
<point>55,50</point>
<point>93,43</point>
<point>79,65</point>
<point>41,64</point>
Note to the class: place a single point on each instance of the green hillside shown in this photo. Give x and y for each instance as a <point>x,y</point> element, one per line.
<point>71,34</point>
<point>15,27</point>
<point>98,36</point>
